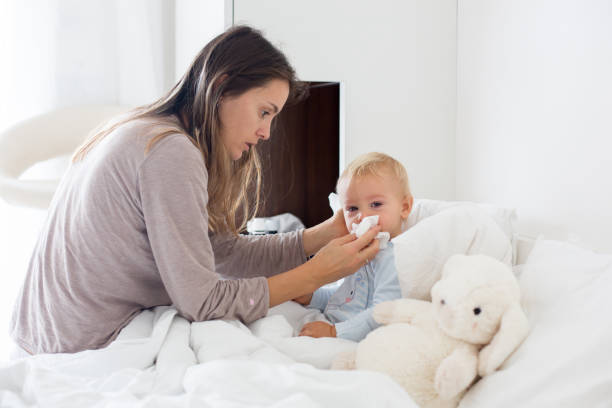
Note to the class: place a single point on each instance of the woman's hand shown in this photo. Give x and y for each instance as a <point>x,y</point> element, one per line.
<point>318,329</point>
<point>344,255</point>
<point>316,237</point>
<point>337,224</point>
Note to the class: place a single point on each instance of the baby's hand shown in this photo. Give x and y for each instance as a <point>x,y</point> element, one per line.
<point>304,300</point>
<point>318,329</point>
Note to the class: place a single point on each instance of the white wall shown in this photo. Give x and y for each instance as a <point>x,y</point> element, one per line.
<point>534,119</point>
<point>56,53</point>
<point>196,23</point>
<point>397,65</point>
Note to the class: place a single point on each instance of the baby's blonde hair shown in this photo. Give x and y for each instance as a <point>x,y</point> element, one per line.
<point>375,163</point>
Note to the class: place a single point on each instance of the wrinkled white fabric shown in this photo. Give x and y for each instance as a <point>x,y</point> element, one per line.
<point>160,359</point>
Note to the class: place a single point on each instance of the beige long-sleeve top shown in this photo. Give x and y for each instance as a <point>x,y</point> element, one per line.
<point>128,231</point>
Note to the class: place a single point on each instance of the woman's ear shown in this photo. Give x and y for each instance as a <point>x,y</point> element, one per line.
<point>407,206</point>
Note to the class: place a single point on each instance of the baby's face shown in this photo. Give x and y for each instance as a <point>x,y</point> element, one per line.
<point>368,195</point>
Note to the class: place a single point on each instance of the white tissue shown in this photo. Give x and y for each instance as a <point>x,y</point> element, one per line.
<point>365,225</point>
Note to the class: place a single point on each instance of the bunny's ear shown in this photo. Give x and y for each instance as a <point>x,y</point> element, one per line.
<point>512,331</point>
<point>453,263</point>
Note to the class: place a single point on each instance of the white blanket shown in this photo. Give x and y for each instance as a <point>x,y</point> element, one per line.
<point>160,359</point>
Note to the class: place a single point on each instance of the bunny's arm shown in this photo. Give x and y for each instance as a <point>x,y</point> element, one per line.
<point>403,311</point>
<point>456,372</point>
<point>513,329</point>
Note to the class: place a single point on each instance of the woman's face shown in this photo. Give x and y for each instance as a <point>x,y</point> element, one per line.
<point>246,118</point>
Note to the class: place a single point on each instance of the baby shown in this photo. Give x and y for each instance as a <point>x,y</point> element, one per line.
<point>374,184</point>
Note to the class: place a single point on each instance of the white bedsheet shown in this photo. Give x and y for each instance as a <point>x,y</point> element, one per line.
<point>161,360</point>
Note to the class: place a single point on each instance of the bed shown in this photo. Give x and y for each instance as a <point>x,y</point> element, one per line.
<point>160,359</point>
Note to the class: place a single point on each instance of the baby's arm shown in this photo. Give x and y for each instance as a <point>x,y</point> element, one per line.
<point>386,287</point>
<point>357,327</point>
<point>320,298</point>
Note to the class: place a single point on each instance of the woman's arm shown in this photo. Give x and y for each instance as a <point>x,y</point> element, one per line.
<point>177,230</point>
<point>172,182</point>
<point>246,256</point>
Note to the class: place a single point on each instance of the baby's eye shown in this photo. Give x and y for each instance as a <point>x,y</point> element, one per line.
<point>352,209</point>
<point>376,204</point>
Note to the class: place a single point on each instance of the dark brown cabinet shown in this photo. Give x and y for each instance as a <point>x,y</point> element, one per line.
<point>301,159</point>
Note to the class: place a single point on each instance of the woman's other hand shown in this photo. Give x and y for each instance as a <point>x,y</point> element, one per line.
<point>317,237</point>
<point>337,225</point>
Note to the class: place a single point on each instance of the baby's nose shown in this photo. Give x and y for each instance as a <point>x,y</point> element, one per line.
<point>365,214</point>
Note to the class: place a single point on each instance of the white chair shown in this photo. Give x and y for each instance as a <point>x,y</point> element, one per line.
<point>54,135</point>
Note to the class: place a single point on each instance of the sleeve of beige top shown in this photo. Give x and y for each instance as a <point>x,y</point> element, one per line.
<point>173,192</point>
<point>245,256</point>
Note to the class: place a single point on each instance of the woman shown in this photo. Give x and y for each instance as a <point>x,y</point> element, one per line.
<point>147,213</point>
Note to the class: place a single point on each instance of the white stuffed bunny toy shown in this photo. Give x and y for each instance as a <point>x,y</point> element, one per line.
<point>436,349</point>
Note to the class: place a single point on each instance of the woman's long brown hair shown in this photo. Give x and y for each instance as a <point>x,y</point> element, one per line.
<point>232,63</point>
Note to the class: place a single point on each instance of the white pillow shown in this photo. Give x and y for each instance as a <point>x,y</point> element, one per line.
<point>504,217</point>
<point>421,251</point>
<point>565,360</point>
<point>423,208</point>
